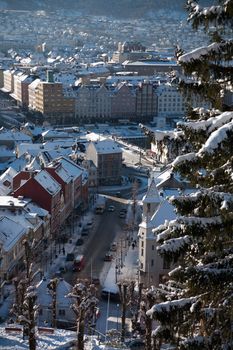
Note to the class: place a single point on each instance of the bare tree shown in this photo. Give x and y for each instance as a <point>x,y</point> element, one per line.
<point>25,308</point>
<point>52,286</point>
<point>84,307</point>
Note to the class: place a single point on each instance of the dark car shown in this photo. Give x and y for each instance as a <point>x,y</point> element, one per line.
<point>79,241</point>
<point>122,215</point>
<point>111,295</point>
<point>85,231</point>
<point>70,257</point>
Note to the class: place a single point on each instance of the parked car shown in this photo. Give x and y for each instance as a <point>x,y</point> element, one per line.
<point>85,231</point>
<point>112,295</point>
<point>123,210</point>
<point>111,208</point>
<point>113,247</point>
<point>108,257</point>
<point>89,224</point>
<point>122,215</point>
<point>70,257</point>
<point>79,241</point>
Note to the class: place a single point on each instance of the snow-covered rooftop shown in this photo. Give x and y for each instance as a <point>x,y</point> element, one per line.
<point>47,182</point>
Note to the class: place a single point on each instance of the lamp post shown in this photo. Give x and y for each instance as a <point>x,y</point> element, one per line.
<point>116,269</point>
<point>117,314</point>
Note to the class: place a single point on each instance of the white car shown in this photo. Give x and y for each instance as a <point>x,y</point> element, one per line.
<point>111,208</point>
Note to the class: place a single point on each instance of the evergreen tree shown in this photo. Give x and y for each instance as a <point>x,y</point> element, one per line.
<point>197,313</point>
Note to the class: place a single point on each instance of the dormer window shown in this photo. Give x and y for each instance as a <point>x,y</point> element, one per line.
<point>148,207</point>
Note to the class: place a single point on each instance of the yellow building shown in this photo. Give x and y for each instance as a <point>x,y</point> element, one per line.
<point>52,101</point>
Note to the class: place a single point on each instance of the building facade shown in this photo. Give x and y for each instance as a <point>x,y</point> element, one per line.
<point>107,157</point>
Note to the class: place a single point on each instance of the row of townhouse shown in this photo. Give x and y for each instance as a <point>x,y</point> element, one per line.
<point>44,199</point>
<point>98,101</point>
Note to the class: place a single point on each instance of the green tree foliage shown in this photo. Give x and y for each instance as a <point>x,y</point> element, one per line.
<point>197,312</point>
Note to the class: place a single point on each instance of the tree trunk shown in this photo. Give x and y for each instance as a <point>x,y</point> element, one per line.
<point>80,330</point>
<point>124,300</point>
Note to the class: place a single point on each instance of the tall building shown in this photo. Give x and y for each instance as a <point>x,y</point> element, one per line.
<point>53,103</point>
<point>146,101</point>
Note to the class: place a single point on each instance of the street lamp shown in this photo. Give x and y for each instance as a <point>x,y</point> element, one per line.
<point>116,270</point>
<point>117,314</point>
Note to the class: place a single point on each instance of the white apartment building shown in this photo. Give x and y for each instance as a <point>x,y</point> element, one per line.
<point>170,100</point>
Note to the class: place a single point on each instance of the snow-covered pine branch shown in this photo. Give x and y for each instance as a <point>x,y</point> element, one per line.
<point>208,16</point>
<point>209,52</point>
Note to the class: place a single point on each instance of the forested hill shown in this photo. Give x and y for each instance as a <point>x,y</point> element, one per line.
<point>119,8</point>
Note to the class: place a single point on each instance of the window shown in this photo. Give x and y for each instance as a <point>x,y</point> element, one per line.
<point>142,243</point>
<point>142,252</point>
<point>61,312</point>
<point>152,247</point>
<point>152,262</point>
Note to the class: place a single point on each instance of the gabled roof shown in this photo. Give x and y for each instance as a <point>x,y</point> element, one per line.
<point>72,168</point>
<point>166,211</point>
<point>152,195</point>
<point>47,182</point>
<point>10,232</point>
<point>44,297</point>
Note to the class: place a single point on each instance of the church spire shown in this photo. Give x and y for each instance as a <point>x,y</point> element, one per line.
<point>150,201</point>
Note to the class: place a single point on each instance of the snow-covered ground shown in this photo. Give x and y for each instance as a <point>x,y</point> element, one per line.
<point>61,340</point>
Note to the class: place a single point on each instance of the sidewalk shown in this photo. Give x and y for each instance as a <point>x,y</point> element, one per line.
<point>128,272</point>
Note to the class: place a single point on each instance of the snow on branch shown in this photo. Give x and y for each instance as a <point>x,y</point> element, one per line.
<point>214,13</point>
<point>174,245</point>
<point>169,306</point>
<point>166,229</point>
<point>200,52</point>
<point>210,124</point>
<point>184,158</point>
<point>203,221</point>
<point>216,138</point>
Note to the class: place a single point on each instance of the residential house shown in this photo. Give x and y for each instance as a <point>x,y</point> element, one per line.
<point>65,316</point>
<point>123,102</point>
<point>6,180</point>
<point>107,157</point>
<point>20,219</point>
<point>44,190</point>
<point>20,93</point>
<point>93,102</point>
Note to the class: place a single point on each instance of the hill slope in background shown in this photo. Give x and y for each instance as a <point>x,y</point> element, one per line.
<point>118,8</point>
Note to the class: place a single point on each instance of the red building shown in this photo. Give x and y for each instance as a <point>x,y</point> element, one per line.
<point>44,190</point>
